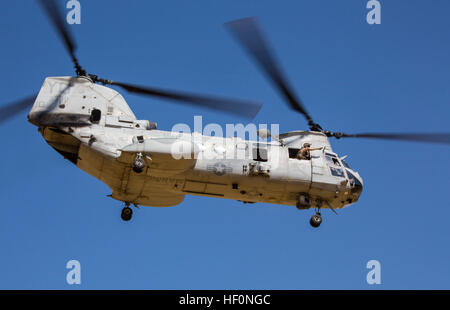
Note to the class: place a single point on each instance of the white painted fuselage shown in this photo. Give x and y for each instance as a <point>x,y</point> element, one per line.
<point>93,127</point>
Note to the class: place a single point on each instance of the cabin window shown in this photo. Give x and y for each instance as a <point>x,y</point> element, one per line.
<point>293,153</point>
<point>260,153</point>
<point>96,115</point>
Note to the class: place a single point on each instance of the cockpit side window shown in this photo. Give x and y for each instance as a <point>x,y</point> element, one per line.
<point>332,160</point>
<point>329,160</point>
<point>337,172</point>
<point>334,165</point>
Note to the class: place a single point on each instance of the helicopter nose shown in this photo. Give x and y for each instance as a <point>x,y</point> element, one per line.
<point>356,183</point>
<point>358,187</point>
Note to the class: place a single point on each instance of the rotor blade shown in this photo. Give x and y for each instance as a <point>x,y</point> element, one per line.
<point>412,137</point>
<point>14,108</point>
<point>237,107</point>
<point>248,33</point>
<point>55,16</point>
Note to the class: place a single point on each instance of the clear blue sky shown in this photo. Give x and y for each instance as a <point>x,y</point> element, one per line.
<point>352,76</point>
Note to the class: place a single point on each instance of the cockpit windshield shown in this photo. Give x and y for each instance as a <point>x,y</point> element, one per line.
<point>346,165</point>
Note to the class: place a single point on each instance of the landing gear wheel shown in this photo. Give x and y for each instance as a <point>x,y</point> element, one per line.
<point>126,214</point>
<point>316,220</point>
<point>138,165</point>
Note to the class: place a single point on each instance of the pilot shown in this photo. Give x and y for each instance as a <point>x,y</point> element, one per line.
<point>304,152</point>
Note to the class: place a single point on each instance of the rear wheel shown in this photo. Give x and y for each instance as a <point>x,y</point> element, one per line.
<point>127,213</point>
<point>138,165</point>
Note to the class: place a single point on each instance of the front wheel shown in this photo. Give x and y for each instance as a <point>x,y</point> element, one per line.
<point>316,220</point>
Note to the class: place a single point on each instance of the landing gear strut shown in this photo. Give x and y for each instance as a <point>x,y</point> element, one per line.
<point>127,213</point>
<point>304,201</point>
<point>316,219</point>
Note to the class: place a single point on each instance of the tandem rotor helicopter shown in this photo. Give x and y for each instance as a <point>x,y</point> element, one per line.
<point>93,127</point>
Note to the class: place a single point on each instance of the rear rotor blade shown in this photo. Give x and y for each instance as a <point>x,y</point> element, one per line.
<point>55,16</point>
<point>248,33</point>
<point>443,138</point>
<point>233,106</point>
<point>14,108</point>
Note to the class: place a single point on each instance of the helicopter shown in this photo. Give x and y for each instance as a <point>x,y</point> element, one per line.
<point>91,125</point>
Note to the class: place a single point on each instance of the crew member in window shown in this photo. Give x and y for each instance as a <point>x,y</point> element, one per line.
<point>304,152</point>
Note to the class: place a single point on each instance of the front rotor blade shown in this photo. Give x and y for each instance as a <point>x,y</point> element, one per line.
<point>443,138</point>
<point>248,33</point>
<point>237,107</point>
<point>59,23</point>
<point>14,108</point>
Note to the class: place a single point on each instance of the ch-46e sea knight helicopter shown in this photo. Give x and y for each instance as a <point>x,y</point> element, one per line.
<point>92,126</point>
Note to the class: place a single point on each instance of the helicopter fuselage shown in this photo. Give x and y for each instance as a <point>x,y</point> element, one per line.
<point>94,128</point>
